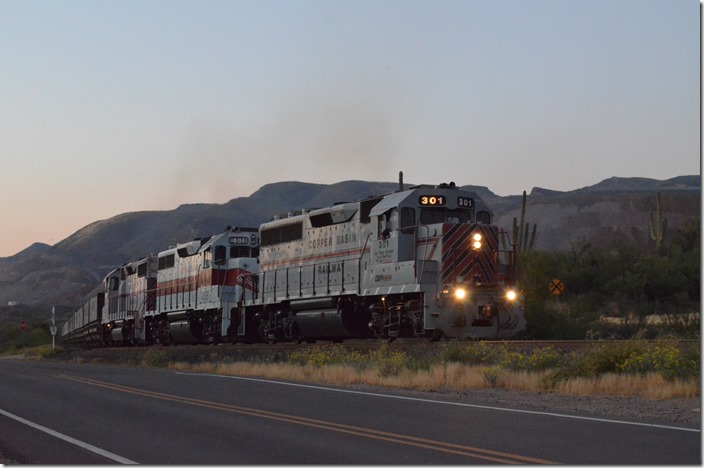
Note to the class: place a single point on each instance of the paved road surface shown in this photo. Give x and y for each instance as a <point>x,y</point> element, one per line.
<point>76,414</point>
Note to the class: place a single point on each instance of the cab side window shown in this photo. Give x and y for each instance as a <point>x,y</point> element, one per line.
<point>408,220</point>
<point>384,227</point>
<point>220,255</point>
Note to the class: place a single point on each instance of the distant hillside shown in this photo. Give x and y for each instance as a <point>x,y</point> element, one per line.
<point>614,210</point>
<point>31,251</point>
<point>641,184</point>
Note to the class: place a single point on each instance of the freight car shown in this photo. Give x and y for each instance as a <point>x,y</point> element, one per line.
<point>84,327</point>
<point>422,262</point>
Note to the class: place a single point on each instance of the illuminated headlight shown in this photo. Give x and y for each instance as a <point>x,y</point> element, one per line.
<point>511,295</point>
<point>477,241</point>
<point>460,293</point>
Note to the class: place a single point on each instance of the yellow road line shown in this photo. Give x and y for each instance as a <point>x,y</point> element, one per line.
<point>457,449</point>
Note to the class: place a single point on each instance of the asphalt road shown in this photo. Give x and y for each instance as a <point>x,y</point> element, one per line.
<point>54,413</point>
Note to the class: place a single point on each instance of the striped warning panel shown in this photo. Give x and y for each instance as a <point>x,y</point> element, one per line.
<point>460,259</point>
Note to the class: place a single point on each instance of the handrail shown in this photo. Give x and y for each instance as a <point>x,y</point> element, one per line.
<point>359,264</point>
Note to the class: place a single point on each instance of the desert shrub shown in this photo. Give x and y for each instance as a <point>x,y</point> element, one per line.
<point>41,352</point>
<point>664,359</point>
<point>482,353</point>
<point>597,359</point>
<point>491,375</point>
<point>389,361</point>
<point>469,352</point>
<point>155,357</point>
<point>328,355</point>
<point>548,321</point>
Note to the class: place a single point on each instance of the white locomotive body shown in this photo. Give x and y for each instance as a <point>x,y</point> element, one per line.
<point>185,294</point>
<point>419,262</point>
<point>129,300</point>
<point>200,283</point>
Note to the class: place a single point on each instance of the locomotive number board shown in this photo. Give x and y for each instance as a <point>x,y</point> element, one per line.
<point>441,200</point>
<point>431,200</point>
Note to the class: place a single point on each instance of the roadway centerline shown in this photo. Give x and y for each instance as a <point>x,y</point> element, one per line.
<point>457,449</point>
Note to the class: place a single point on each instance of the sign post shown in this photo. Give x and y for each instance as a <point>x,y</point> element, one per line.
<point>53,328</point>
<point>23,327</point>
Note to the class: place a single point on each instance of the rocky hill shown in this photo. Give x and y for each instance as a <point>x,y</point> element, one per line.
<point>614,210</point>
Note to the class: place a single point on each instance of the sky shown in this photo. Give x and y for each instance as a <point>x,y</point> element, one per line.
<point>108,107</point>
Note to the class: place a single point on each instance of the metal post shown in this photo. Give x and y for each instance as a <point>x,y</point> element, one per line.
<point>53,328</point>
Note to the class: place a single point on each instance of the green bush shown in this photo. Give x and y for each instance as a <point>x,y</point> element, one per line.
<point>155,357</point>
<point>482,353</point>
<point>328,355</point>
<point>469,352</point>
<point>622,281</point>
<point>389,361</point>
<point>664,359</point>
<point>41,352</point>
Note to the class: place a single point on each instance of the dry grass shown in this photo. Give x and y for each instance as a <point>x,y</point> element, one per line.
<point>457,377</point>
<point>651,386</point>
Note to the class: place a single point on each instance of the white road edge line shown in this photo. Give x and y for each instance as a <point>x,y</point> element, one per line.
<point>469,405</point>
<point>92,448</point>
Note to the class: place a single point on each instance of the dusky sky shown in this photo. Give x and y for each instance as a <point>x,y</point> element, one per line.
<point>116,106</point>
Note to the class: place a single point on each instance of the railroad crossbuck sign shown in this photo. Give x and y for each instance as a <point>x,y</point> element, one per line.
<point>556,287</point>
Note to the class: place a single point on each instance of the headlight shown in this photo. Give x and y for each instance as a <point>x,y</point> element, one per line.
<point>477,241</point>
<point>460,293</point>
<point>511,295</point>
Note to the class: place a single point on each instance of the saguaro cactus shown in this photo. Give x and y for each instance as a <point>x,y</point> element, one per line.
<point>520,230</point>
<point>657,225</point>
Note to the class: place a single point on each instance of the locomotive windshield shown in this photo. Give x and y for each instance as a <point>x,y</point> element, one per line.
<point>444,215</point>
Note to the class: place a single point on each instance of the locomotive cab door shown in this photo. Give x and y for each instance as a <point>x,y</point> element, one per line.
<point>395,236</point>
<point>407,234</point>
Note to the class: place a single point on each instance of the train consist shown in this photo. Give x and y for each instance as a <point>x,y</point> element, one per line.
<point>422,262</point>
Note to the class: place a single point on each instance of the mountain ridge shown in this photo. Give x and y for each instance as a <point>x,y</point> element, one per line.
<point>615,209</point>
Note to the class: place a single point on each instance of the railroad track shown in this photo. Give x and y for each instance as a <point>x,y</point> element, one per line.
<point>279,352</point>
